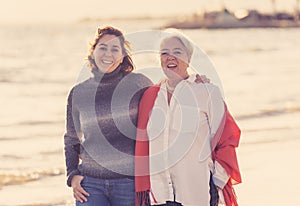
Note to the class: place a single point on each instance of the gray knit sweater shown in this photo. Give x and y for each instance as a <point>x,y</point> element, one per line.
<point>101,125</point>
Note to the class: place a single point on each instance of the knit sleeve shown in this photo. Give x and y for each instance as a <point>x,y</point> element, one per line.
<point>143,82</point>
<point>71,139</point>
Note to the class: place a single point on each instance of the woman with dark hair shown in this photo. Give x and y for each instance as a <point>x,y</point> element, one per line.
<point>101,124</point>
<point>123,50</point>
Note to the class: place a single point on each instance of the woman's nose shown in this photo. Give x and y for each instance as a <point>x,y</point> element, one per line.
<point>170,57</point>
<point>107,53</point>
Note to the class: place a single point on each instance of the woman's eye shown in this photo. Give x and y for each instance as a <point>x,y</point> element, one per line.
<point>115,50</point>
<point>163,53</point>
<point>177,52</point>
<point>103,48</point>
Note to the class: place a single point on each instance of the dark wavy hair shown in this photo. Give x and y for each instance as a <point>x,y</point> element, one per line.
<point>127,64</point>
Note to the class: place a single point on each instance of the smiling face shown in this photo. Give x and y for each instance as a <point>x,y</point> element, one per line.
<point>174,59</point>
<point>108,53</point>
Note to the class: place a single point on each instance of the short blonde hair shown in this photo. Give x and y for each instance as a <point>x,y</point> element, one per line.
<point>175,33</point>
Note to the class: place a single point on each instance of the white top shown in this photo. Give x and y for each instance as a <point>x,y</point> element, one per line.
<point>180,137</point>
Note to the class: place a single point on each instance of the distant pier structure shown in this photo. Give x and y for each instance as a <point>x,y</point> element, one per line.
<point>225,19</point>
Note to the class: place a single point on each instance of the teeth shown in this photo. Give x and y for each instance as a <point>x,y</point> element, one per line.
<point>171,65</point>
<point>107,62</point>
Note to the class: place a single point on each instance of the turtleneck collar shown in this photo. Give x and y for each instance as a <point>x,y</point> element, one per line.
<point>105,77</point>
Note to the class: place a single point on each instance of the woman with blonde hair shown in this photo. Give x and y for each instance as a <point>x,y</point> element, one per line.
<point>186,137</point>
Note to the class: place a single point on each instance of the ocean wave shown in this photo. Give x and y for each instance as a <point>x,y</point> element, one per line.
<point>8,138</point>
<point>36,122</point>
<point>32,123</point>
<point>260,49</point>
<point>62,203</point>
<point>11,156</point>
<point>266,129</point>
<point>18,178</point>
<point>25,80</point>
<point>5,80</point>
<point>269,112</point>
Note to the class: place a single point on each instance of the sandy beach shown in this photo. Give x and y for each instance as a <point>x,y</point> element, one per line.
<point>269,165</point>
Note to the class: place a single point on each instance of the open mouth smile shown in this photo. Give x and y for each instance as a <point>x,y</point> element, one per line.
<point>106,61</point>
<point>171,66</point>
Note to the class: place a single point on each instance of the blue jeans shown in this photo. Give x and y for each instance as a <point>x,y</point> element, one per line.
<point>108,192</point>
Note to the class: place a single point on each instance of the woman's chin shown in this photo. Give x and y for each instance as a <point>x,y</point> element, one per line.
<point>105,69</point>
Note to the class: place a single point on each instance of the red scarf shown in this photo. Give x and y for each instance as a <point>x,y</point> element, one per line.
<point>223,146</point>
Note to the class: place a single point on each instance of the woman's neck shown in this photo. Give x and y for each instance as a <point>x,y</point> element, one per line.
<point>106,77</point>
<point>173,82</point>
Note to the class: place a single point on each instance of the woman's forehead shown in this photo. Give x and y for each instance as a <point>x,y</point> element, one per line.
<point>109,39</point>
<point>171,43</point>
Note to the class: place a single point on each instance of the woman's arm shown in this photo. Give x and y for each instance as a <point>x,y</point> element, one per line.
<point>71,139</point>
<point>216,112</point>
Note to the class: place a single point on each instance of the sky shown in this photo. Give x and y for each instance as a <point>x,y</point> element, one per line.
<point>71,10</point>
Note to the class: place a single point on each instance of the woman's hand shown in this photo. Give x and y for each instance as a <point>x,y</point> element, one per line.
<point>201,79</point>
<point>78,192</point>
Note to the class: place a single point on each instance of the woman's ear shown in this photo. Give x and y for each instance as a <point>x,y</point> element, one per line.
<point>189,59</point>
